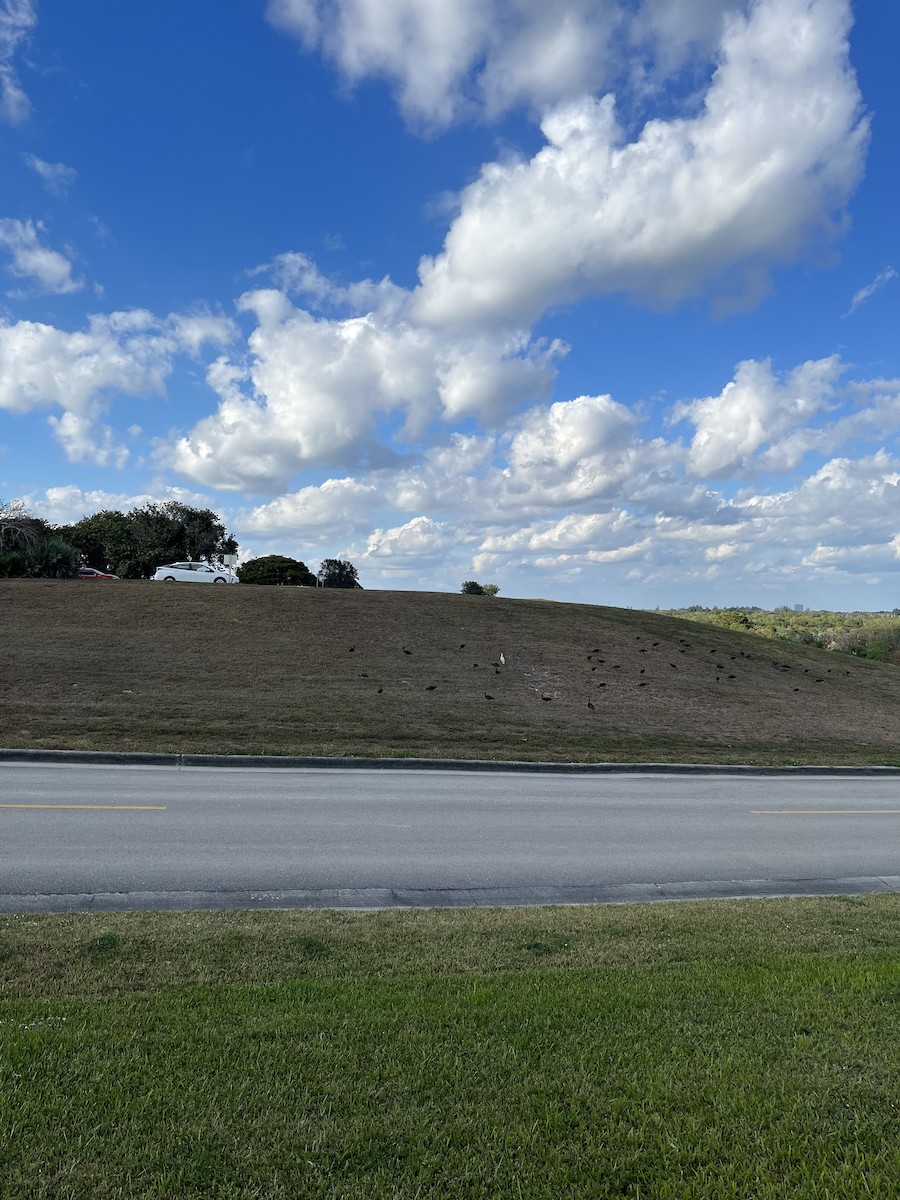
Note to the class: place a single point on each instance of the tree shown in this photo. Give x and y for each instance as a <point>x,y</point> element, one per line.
<point>104,539</point>
<point>19,529</point>
<point>275,568</point>
<point>472,588</point>
<point>337,573</point>
<point>134,544</point>
<point>490,589</point>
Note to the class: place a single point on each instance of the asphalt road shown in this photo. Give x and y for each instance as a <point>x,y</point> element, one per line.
<point>78,837</point>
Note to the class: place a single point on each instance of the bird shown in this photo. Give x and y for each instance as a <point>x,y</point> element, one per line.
<point>732,676</point>
<point>673,666</point>
<point>380,690</point>
<point>502,659</point>
<point>431,687</point>
<point>589,704</point>
<point>543,697</point>
<point>364,675</point>
<point>654,645</point>
<point>487,696</point>
<point>475,666</point>
<point>796,689</point>
<point>643,683</point>
<point>601,685</point>
<point>642,670</point>
<point>496,670</point>
<point>352,648</point>
<point>462,645</point>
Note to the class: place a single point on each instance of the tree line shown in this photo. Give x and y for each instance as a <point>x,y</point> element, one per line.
<point>133,544</point>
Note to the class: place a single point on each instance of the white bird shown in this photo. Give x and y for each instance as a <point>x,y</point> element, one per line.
<point>502,659</point>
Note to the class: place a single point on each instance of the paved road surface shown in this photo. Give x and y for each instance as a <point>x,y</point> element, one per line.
<point>74,837</point>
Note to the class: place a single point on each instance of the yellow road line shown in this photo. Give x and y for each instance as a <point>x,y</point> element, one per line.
<point>820,812</point>
<point>128,807</point>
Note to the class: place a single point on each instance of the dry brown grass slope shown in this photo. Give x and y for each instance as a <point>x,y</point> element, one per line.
<point>148,666</point>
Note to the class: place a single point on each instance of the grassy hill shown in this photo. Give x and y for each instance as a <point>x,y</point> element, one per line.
<point>147,666</point>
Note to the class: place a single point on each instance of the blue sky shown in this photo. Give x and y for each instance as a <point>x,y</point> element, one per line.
<point>594,300</point>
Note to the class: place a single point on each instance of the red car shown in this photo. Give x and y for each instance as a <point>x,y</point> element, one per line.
<point>90,573</point>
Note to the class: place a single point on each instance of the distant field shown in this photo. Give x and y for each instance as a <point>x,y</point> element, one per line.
<point>741,1049</point>
<point>246,670</point>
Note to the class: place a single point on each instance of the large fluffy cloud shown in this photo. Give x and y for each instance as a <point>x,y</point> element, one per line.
<point>474,57</point>
<point>693,204</point>
<point>312,388</point>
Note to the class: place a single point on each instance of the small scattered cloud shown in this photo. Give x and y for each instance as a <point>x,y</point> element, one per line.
<point>866,293</point>
<point>17,19</point>
<point>56,177</point>
<point>30,259</point>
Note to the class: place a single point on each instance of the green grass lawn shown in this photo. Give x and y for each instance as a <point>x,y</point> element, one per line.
<point>680,1050</point>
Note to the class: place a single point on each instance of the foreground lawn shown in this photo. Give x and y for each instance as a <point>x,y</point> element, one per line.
<point>680,1050</point>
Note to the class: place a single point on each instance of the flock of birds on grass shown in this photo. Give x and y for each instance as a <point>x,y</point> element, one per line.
<point>596,663</point>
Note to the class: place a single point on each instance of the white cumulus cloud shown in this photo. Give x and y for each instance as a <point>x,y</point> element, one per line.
<point>447,61</point>
<point>708,202</point>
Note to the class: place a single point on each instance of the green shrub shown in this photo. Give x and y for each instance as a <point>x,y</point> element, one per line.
<point>52,559</point>
<point>12,564</point>
<point>276,569</point>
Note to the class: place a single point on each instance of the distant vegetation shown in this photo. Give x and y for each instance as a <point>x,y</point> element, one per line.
<point>873,635</point>
<point>131,545</point>
<point>472,587</point>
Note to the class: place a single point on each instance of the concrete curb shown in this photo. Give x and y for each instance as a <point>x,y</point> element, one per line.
<point>405,898</point>
<point>121,759</point>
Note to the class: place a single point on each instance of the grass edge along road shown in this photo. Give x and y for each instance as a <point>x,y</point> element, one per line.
<point>744,1049</point>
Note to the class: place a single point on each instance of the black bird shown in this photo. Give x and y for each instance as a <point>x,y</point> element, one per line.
<point>364,675</point>
<point>601,685</point>
<point>732,676</point>
<point>380,690</point>
<point>462,645</point>
<point>655,644</point>
<point>596,650</point>
<point>820,681</point>
<point>643,683</point>
<point>796,689</point>
<point>405,651</point>
<point>617,667</point>
<point>497,671</point>
<point>352,648</point>
<point>642,670</point>
<point>487,697</point>
<point>672,665</point>
<point>589,704</point>
<point>543,697</point>
<point>431,687</point>
<point>593,668</point>
<point>474,666</point>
